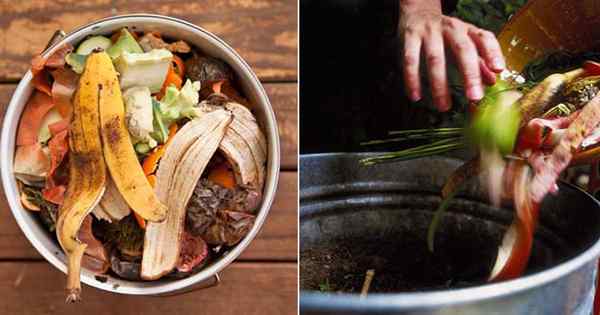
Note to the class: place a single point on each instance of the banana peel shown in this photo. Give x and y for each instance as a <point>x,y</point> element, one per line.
<point>250,138</point>
<point>113,203</point>
<point>180,169</point>
<point>119,154</point>
<point>244,144</point>
<point>112,206</point>
<point>87,174</point>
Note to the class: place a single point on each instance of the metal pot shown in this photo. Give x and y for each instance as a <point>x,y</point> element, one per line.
<point>210,44</point>
<point>376,217</point>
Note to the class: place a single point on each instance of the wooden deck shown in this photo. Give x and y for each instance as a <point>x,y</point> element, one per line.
<point>264,279</point>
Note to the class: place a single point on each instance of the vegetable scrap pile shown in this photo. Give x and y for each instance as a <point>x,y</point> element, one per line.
<point>526,133</point>
<point>140,154</point>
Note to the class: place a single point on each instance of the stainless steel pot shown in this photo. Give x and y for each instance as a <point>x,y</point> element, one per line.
<point>383,212</point>
<point>210,44</point>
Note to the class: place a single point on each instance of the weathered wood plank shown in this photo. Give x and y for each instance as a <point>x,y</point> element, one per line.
<point>283,98</point>
<point>277,239</point>
<point>264,32</point>
<point>246,288</point>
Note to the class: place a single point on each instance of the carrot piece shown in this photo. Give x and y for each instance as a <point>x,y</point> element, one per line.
<point>172,78</point>
<point>152,180</point>
<point>222,175</point>
<point>31,120</point>
<point>179,66</point>
<point>151,162</point>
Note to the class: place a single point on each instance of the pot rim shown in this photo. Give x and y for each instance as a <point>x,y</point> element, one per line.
<point>436,298</point>
<point>155,287</point>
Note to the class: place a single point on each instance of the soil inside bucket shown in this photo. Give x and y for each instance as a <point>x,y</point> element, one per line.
<point>400,264</point>
<point>465,250</point>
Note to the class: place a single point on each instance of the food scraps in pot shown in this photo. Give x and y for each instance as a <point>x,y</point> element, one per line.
<point>117,137</point>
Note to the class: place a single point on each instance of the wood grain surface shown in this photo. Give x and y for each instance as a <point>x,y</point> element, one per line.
<point>264,32</point>
<point>35,288</point>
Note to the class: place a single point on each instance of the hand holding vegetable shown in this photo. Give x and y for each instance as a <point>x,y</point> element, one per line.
<point>425,31</point>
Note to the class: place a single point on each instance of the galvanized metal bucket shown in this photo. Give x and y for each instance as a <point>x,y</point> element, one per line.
<point>391,204</point>
<point>210,44</point>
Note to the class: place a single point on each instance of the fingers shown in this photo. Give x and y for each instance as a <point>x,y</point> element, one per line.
<point>488,48</point>
<point>412,53</point>
<point>433,47</point>
<point>467,58</point>
<point>488,76</point>
<point>477,53</point>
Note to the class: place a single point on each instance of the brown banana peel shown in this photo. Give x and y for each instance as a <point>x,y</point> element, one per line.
<point>120,157</point>
<point>244,144</point>
<point>87,175</point>
<point>250,139</point>
<point>180,169</point>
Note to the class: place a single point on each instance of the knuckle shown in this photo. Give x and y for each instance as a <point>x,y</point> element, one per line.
<point>452,22</point>
<point>438,93</point>
<point>462,46</point>
<point>471,77</point>
<point>411,30</point>
<point>428,29</point>
<point>487,34</point>
<point>433,59</point>
<point>409,58</point>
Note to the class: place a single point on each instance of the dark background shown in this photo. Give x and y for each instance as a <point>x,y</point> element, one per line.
<point>351,87</point>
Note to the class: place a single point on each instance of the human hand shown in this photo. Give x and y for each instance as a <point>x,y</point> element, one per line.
<point>425,31</point>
